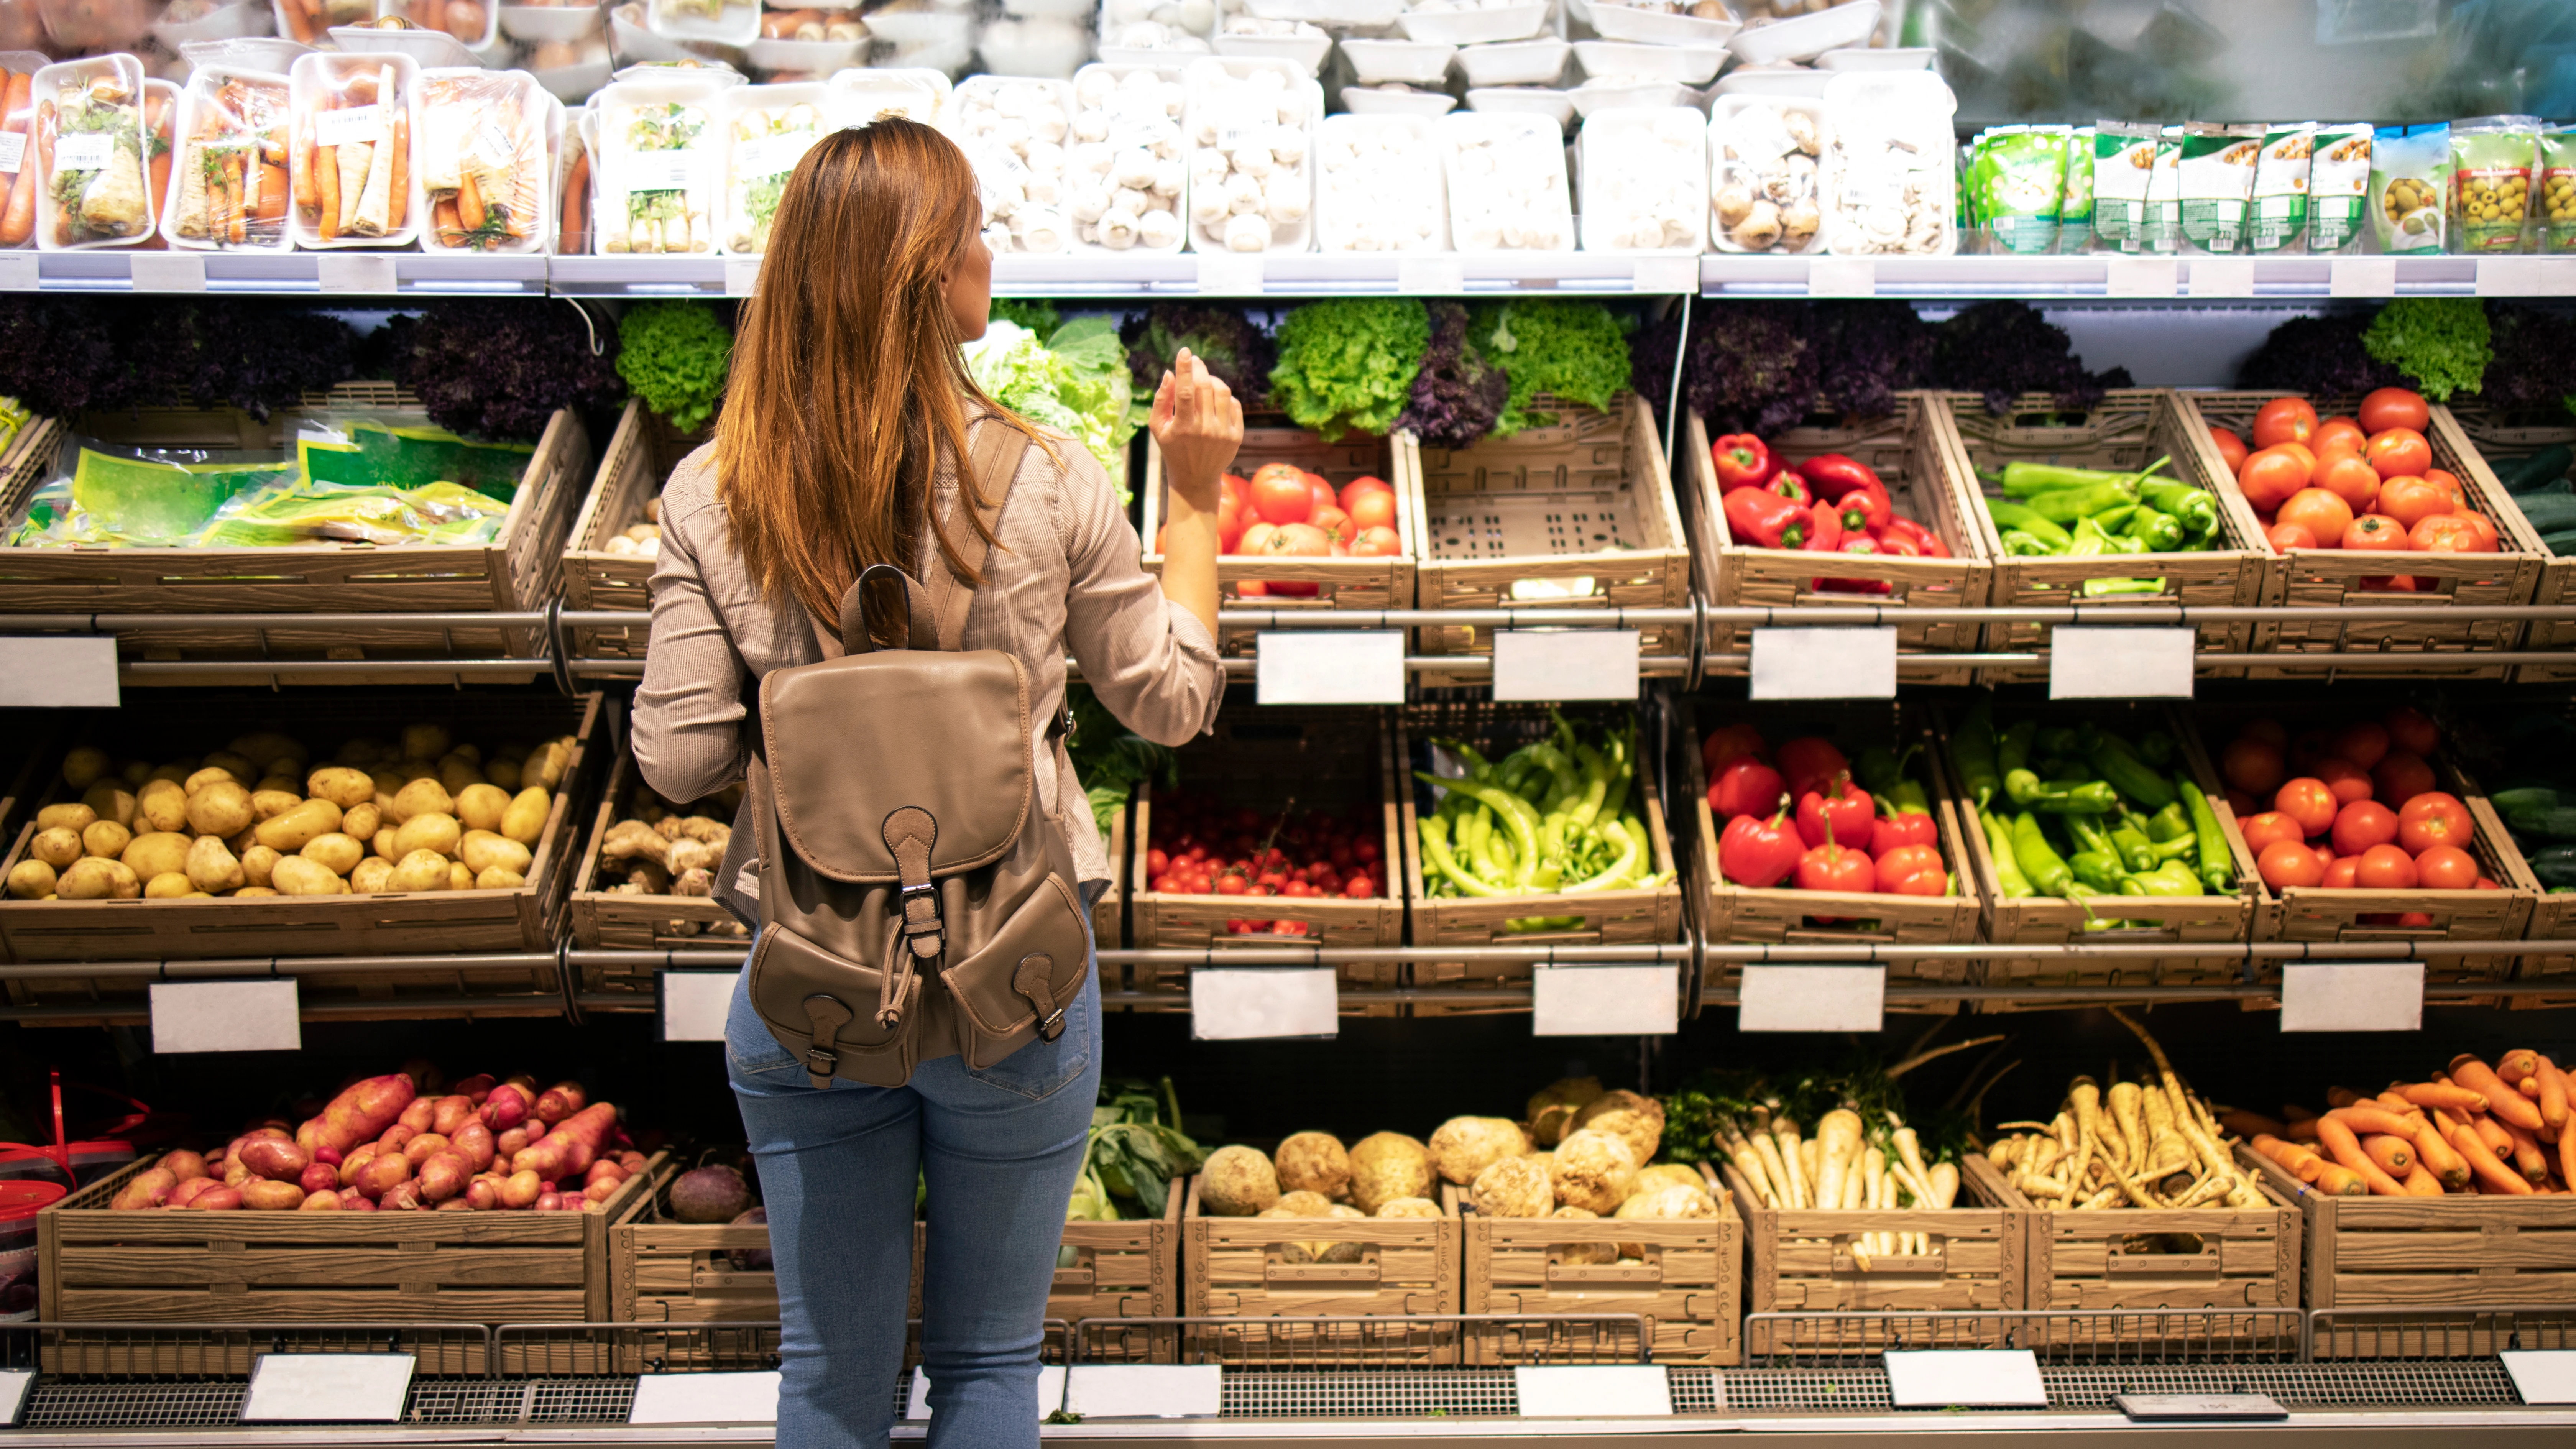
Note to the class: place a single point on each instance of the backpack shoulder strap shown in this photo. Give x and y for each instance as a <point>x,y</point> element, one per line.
<point>992,466</point>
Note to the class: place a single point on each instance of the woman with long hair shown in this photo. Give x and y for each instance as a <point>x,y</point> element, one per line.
<point>845,443</point>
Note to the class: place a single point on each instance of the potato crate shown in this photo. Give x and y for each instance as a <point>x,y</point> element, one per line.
<point>640,457</point>
<point>2181,921</point>
<point>2496,444</point>
<point>2449,1256</point>
<point>518,571</point>
<point>1278,762</point>
<point>2329,577</point>
<point>1916,453</point>
<point>1574,514</point>
<point>603,919</point>
<point>1686,1280</point>
<point>103,1266</point>
<point>1257,1268</point>
<point>1805,1261</point>
<point>2082,1262</point>
<point>1632,915</point>
<point>2128,430</point>
<point>1320,585</point>
<point>1734,913</point>
<point>520,919</point>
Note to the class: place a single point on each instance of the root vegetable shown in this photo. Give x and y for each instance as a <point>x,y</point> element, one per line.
<point>522,1189</point>
<point>264,1196</point>
<point>147,1189</point>
<point>318,1177</point>
<point>1593,1170</point>
<point>1515,1187</point>
<point>2491,1174</point>
<point>325,1201</point>
<point>189,1191</point>
<point>217,1200</point>
<point>1386,1166</point>
<point>277,1161</point>
<point>2508,1105</point>
<point>506,1106</point>
<point>1466,1146</point>
<point>449,1113</point>
<point>560,1101</point>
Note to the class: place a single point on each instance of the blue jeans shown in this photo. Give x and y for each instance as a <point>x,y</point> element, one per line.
<point>1000,1149</point>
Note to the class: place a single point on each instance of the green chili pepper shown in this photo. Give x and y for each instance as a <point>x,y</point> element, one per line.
<point>2193,508</point>
<point>2049,873</point>
<point>2018,544</point>
<point>2021,480</point>
<point>2075,797</point>
<point>2170,823</point>
<point>2009,880</point>
<point>2026,519</point>
<point>2096,869</point>
<point>2106,588</point>
<point>1972,749</point>
<point>2172,878</point>
<point>2115,521</point>
<point>2012,752</point>
<point>2160,532</point>
<point>2054,742</point>
<point>1618,868</point>
<point>2129,775</point>
<point>2088,834</point>
<point>2157,749</point>
<point>2217,867</point>
<point>1435,849</point>
<point>2136,851</point>
<point>2065,507</point>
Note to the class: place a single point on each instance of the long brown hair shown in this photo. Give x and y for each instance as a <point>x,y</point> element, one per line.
<point>848,382</point>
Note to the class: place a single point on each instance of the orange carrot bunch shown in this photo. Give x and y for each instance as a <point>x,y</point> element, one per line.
<point>2497,1130</point>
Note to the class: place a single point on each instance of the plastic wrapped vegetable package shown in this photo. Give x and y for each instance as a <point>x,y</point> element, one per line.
<point>485,140</point>
<point>474,23</point>
<point>1251,131</point>
<point>231,163</point>
<point>92,190</point>
<point>1506,175</point>
<point>17,146</point>
<point>863,97</point>
<point>1015,132</point>
<point>1894,163</point>
<point>1767,178</point>
<point>1378,186</point>
<point>355,116</point>
<point>723,22</point>
<point>1127,184</point>
<point>1645,181</point>
<point>768,129</point>
<point>659,162</point>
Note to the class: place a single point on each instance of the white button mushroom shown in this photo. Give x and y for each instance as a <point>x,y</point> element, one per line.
<point>1247,232</point>
<point>1118,228</point>
<point>1158,230</point>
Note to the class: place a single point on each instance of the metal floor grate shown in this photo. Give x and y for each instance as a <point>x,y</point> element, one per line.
<point>1428,1393</point>
<point>61,1404</point>
<point>2376,1386</point>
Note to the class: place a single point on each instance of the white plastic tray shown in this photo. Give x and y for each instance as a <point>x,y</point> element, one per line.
<point>550,22</point>
<point>861,95</point>
<point>1592,98</point>
<point>737,23</point>
<point>1340,14</point>
<point>1422,61</point>
<point>1692,66</point>
<point>1306,52</point>
<point>309,77</point>
<point>1514,62</point>
<point>1123,114</point>
<point>1627,167</point>
<point>1556,105</point>
<point>1214,85</point>
<point>473,41</point>
<point>1755,175</point>
<point>1862,57</point>
<point>1629,22</point>
<point>203,80</point>
<point>1411,215</point>
<point>232,22</point>
<point>1476,27</point>
<point>1774,81</point>
<point>1807,36</point>
<point>1366,101</point>
<point>1489,205</point>
<point>1045,49</point>
<point>428,49</point>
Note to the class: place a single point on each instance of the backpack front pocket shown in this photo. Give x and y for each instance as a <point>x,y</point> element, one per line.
<point>824,1009</point>
<point>1017,986</point>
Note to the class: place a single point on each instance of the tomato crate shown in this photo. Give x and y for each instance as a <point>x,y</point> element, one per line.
<point>2500,442</point>
<point>1629,915</point>
<point>1257,1268</point>
<point>521,918</point>
<point>1686,1280</point>
<point>1321,585</point>
<point>2314,913</point>
<point>2331,577</point>
<point>1915,452</point>
<point>2126,431</point>
<point>1806,1261</point>
<point>2179,921</point>
<point>640,457</point>
<point>1574,514</point>
<point>1278,763</point>
<point>520,570</point>
<point>1734,913</point>
<point>2124,1257</point>
<point>605,917</point>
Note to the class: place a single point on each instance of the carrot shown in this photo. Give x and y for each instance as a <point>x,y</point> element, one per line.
<point>2373,1119</point>
<point>2340,1181</point>
<point>326,184</point>
<point>2399,1105</point>
<point>2492,1175</point>
<point>2515,1065</point>
<point>2420,1183</point>
<point>2553,1100</point>
<point>237,229</point>
<point>2298,1161</point>
<point>400,160</point>
<point>2567,1159</point>
<point>443,223</point>
<point>2248,1124</point>
<point>2438,1094</point>
<point>2529,1087</point>
<point>156,120</point>
<point>2340,1143</point>
<point>2527,1156</point>
<point>2293,1112</point>
<point>2390,1152</point>
<point>308,197</point>
<point>2435,1153</point>
<point>46,122</point>
<point>272,192</point>
<point>2492,1133</point>
<point>2341,1096</point>
<point>469,202</point>
<point>2502,1100</point>
<point>18,217</point>
<point>573,233</point>
<point>2303,1130</point>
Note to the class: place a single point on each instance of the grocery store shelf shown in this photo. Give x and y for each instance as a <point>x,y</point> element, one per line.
<point>333,273</point>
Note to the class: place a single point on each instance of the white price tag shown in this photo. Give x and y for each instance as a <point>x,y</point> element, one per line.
<point>2361,277</point>
<point>1668,276</point>
<point>349,125</point>
<point>1811,998</point>
<point>327,1388</point>
<point>2222,276</point>
<point>1842,277</point>
<point>2139,276</point>
<point>2199,1408</point>
<point>13,151</point>
<point>916,1405</point>
<point>2542,1376</point>
<point>663,171</point>
<point>695,1004</point>
<point>1243,1003</point>
<point>225,1016</point>
<point>772,155</point>
<point>2352,996</point>
<point>90,151</point>
<point>17,271</point>
<point>748,1398</point>
<point>1145,1391</point>
<point>1434,274</point>
<point>50,673</point>
<point>16,1386</point>
<point>1594,1391</point>
<point>1605,1000</point>
<point>2111,662</point>
<point>741,276</point>
<point>1330,667</point>
<point>1824,663</point>
<point>168,271</point>
<point>1546,664</point>
<point>1230,274</point>
<point>1965,1378</point>
<point>2509,276</point>
<point>354,274</point>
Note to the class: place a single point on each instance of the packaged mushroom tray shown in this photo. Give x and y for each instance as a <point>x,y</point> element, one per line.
<point>659,162</point>
<point>1129,179</point>
<point>1015,132</point>
<point>807,43</point>
<point>1378,187</point>
<point>1894,164</point>
<point>1645,179</point>
<point>1767,178</point>
<point>768,129</point>
<point>1506,173</point>
<point>231,163</point>
<point>1250,128</point>
<point>355,116</point>
<point>863,97</point>
<point>1167,28</point>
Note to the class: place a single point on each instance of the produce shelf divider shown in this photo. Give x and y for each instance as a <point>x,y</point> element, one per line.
<point>2493,438</point>
<point>1687,1293</point>
<point>640,457</point>
<point>1237,1268</point>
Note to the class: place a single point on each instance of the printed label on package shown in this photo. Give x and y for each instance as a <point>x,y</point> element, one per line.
<point>349,126</point>
<point>13,151</point>
<point>83,153</point>
<point>2492,203</point>
<point>772,155</point>
<point>663,171</point>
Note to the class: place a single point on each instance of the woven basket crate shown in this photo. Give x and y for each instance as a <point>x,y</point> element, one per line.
<point>2330,577</point>
<point>2495,441</point>
<point>1244,1268</point>
<point>2129,430</point>
<point>1578,513</point>
<point>1802,1261</point>
<point>638,460</point>
<point>1688,1284</point>
<point>1915,452</point>
<point>518,571</point>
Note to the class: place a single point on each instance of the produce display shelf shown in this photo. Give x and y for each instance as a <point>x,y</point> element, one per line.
<point>2136,279</point>
<point>311,273</point>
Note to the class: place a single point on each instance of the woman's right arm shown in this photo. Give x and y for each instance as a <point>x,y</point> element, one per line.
<point>689,713</point>
<point>1198,425</point>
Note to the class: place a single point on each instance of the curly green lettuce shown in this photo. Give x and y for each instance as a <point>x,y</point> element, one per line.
<point>1347,366</point>
<point>2443,343</point>
<point>1574,351</point>
<point>1074,381</point>
<point>675,355</point>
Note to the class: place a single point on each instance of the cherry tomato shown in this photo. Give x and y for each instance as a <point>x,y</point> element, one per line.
<point>2446,868</point>
<point>2400,776</point>
<point>2412,730</point>
<point>2447,533</point>
<point>2348,477</point>
<point>2348,781</point>
<point>2362,743</point>
<point>2318,510</point>
<point>2394,407</point>
<point>2286,536</point>
<point>2399,453</point>
<point>2363,824</point>
<point>2271,476</point>
<point>2285,863</point>
<point>2433,818</point>
<point>2230,447</point>
<point>2385,868</point>
<point>2265,828</point>
<point>2309,804</point>
<point>2376,532</point>
<point>2340,873</point>
<point>2411,500</point>
<point>2252,765</point>
<point>2284,420</point>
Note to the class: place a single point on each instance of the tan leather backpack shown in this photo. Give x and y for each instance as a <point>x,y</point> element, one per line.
<point>914,901</point>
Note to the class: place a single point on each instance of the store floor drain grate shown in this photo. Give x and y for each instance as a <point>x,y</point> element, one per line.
<point>62,1404</point>
<point>1433,1393</point>
<point>2371,1386</point>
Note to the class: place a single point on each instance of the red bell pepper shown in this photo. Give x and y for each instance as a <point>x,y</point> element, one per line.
<point>1900,828</point>
<point>1857,543</point>
<point>1789,485</point>
<point>1745,787</point>
<point>1839,809</point>
<point>1839,479</point>
<point>1757,852</point>
<point>1897,545</point>
<point>1761,519</point>
<point>1835,867</point>
<point>1826,534</point>
<point>1924,539</point>
<point>1728,741</point>
<point>1742,461</point>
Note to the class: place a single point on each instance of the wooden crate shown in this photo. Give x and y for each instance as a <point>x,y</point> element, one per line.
<point>2081,1262</point>
<point>638,460</point>
<point>662,1271</point>
<point>1577,514</point>
<point>1729,912</point>
<point>1802,1262</point>
<point>2493,438</point>
<point>1630,916</point>
<point>602,920</point>
<point>520,570</point>
<point>1344,583</point>
<point>1237,1268</point>
<point>1916,453</point>
<point>522,919</point>
<point>1335,760</point>
<point>2130,429</point>
<point>2328,577</point>
<point>1689,1286</point>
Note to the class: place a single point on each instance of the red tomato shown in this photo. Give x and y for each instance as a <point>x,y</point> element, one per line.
<point>2271,825</point>
<point>2349,478</point>
<point>1333,521</point>
<point>2348,781</point>
<point>2339,432</point>
<point>2340,873</point>
<point>2433,818</point>
<point>2266,729</point>
<point>2377,532</point>
<point>1369,507</point>
<point>2230,447</point>
<point>2385,868</point>
<point>1251,588</point>
<point>2362,743</point>
<point>2394,407</point>
<point>2239,804</point>
<point>2284,420</point>
<point>2400,776</point>
<point>2363,824</point>
<point>2450,485</point>
<point>1322,492</point>
<point>2320,511</point>
<point>2411,500</point>
<point>2488,539</point>
<point>2286,536</point>
<point>2286,863</point>
<point>2252,765</point>
<point>1365,483</point>
<point>2271,476</point>
<point>2447,533</point>
<point>2446,868</point>
<point>2309,804</point>
<point>2399,453</point>
<point>1255,538</point>
<point>2411,730</point>
<point>1280,495</point>
<point>1376,543</point>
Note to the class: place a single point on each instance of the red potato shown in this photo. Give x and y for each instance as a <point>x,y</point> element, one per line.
<point>455,1205</point>
<point>632,1160</point>
<point>427,1145</point>
<point>473,1142</point>
<point>319,1177</point>
<point>443,1176</point>
<point>236,1173</point>
<point>397,1137</point>
<point>217,1200</point>
<point>184,1164</point>
<point>352,1203</point>
<point>451,1113</point>
<point>524,1083</point>
<point>382,1173</point>
<point>325,1201</point>
<point>365,1153</point>
<point>403,1196</point>
<point>474,1088</point>
<point>189,1191</point>
<point>423,1073</point>
<point>511,1143</point>
<point>522,1189</point>
<point>613,1171</point>
<point>551,1202</point>
<point>569,1150</point>
<point>148,1190</point>
<point>331,1155</point>
<point>360,1113</point>
<point>601,1189</point>
<point>278,1161</point>
<point>559,1101</point>
<point>422,1112</point>
<point>483,1195</point>
<point>265,1196</point>
<point>507,1107</point>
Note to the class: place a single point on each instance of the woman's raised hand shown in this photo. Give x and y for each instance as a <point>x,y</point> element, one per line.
<point>1199,426</point>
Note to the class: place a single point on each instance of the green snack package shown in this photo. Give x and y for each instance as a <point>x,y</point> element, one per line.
<point>2124,160</point>
<point>2408,165</point>
<point>2164,193</point>
<point>2338,187</point>
<point>2277,218</point>
<point>2491,163</point>
<point>2075,203</point>
<point>2215,180</point>
<point>2025,172</point>
<point>2557,203</point>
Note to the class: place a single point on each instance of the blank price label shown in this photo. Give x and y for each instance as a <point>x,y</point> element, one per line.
<point>1549,664</point>
<point>327,1388</point>
<point>52,673</point>
<point>2222,277</point>
<point>1811,998</point>
<point>1330,667</point>
<point>1440,274</point>
<point>2525,277</point>
<point>741,276</point>
<point>1050,1393</point>
<point>16,1385</point>
<point>1605,1001</point>
<point>17,271</point>
<point>2542,1376</point>
<point>2352,996</point>
<point>705,1399</point>
<point>1242,1003</point>
<point>1145,1391</point>
<point>2140,276</point>
<point>1842,277</point>
<point>1228,274</point>
<point>1824,663</point>
<point>2088,661</point>
<point>169,271</point>
<point>1972,1378</point>
<point>1594,1391</point>
<point>1669,276</point>
<point>354,274</point>
<point>225,1016</point>
<point>2361,277</point>
<point>2200,1408</point>
<point>695,1004</point>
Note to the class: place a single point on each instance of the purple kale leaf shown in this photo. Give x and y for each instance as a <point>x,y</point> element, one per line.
<point>495,369</point>
<point>1458,394</point>
<point>1231,344</point>
<point>1872,351</point>
<point>2006,349</point>
<point>1749,366</point>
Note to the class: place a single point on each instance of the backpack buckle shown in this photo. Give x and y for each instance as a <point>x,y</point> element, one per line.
<point>923,927</point>
<point>1052,1027</point>
<point>821,1063</point>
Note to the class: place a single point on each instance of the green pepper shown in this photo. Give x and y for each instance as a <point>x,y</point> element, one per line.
<point>2193,508</point>
<point>2088,834</point>
<point>2101,541</point>
<point>2049,874</point>
<point>2066,506</point>
<point>1881,771</point>
<point>2172,878</point>
<point>2136,851</point>
<point>2029,520</point>
<point>2106,588</point>
<point>1972,749</point>
<point>1444,866</point>
<point>2096,869</point>
<point>2018,544</point>
<point>2170,823</point>
<point>2012,752</point>
<point>2009,880</point>
<point>2217,867</point>
<point>2075,797</point>
<point>2026,480</point>
<point>2158,531</point>
<point>1618,869</point>
<point>2157,749</point>
<point>2129,775</point>
<point>2055,742</point>
<point>2115,521</point>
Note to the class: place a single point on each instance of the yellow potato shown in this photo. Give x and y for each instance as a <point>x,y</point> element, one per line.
<point>469,752</point>
<point>168,887</point>
<point>241,840</point>
<point>268,804</point>
<point>342,786</point>
<point>424,741</point>
<point>363,752</point>
<point>481,806</point>
<point>337,851</point>
<point>133,773</point>
<point>363,821</point>
<point>212,867</point>
<point>221,808</point>
<point>176,772</point>
<point>231,762</point>
<point>458,877</point>
<point>431,830</point>
<point>504,774</point>
<point>163,805</point>
<point>208,775</point>
<point>482,850</point>
<point>111,800</point>
<point>251,891</point>
<point>85,767</point>
<point>257,862</point>
<point>94,879</point>
<point>372,874</point>
<point>268,745</point>
<point>422,870</point>
<point>546,766</point>
<point>296,876</point>
<point>525,820</point>
<point>157,853</point>
<point>290,830</point>
<point>382,842</point>
<point>57,847</point>
<point>496,878</point>
<point>275,781</point>
<point>31,880</point>
<point>423,796</point>
<point>75,817</point>
<point>105,838</point>
<point>456,774</point>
